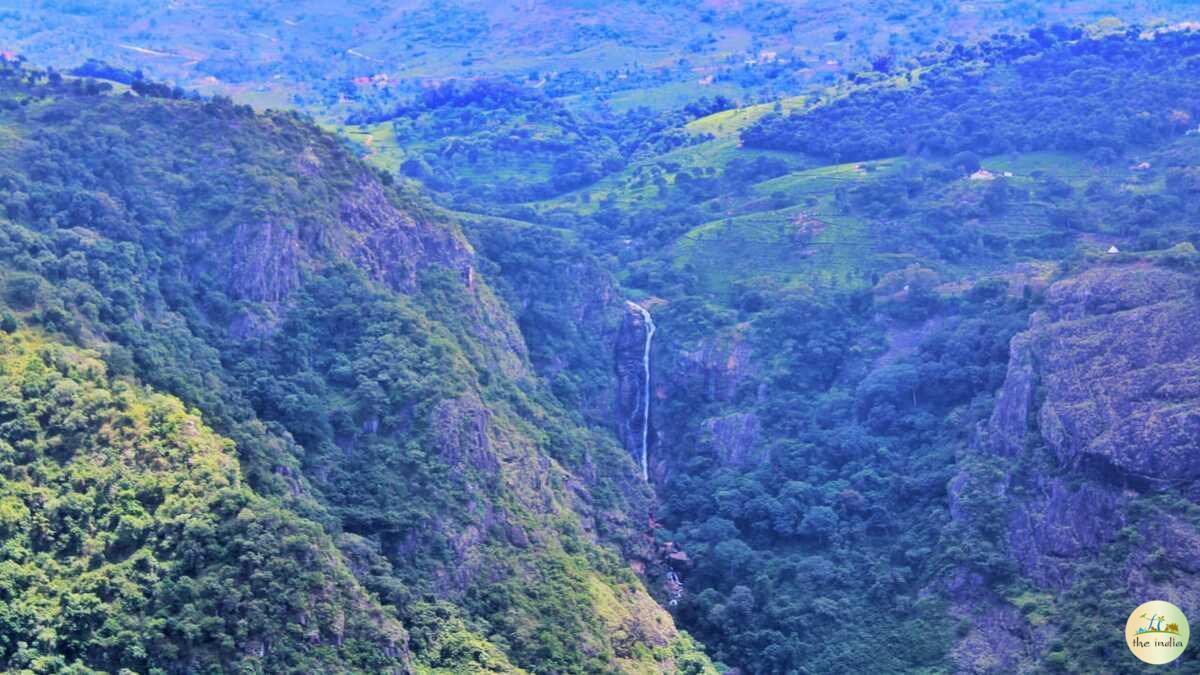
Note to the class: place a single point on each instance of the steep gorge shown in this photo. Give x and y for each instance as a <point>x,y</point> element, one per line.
<point>486,480</point>
<point>337,330</point>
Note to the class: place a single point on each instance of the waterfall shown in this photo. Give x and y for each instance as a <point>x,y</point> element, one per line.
<point>645,399</point>
<point>674,586</point>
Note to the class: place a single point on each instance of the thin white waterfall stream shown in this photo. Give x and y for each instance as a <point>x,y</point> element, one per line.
<point>645,402</point>
<point>673,584</point>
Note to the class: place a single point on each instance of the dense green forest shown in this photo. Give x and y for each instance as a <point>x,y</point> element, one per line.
<point>808,483</point>
<point>132,540</point>
<point>490,141</point>
<point>1127,93</point>
<point>355,386</point>
<point>386,442</point>
<point>844,517</point>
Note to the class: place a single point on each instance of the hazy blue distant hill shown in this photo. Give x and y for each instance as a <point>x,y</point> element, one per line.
<point>319,54</point>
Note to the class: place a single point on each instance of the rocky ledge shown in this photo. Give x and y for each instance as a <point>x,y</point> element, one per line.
<point>1094,449</point>
<point>1108,376</point>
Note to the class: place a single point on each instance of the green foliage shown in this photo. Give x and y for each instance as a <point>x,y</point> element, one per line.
<point>845,515</point>
<point>406,424</point>
<point>409,426</point>
<point>353,373</point>
<point>469,137</point>
<point>526,260</point>
<point>847,512</point>
<point>1013,102</point>
<point>132,542</point>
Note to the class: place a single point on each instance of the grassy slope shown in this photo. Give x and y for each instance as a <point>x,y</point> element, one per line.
<point>809,241</point>
<point>750,236</point>
<point>747,238</point>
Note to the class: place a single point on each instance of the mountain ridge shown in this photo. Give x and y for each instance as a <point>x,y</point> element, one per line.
<point>368,377</point>
<point>883,311</point>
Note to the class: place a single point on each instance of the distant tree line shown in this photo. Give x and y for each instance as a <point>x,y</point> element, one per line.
<point>1044,91</point>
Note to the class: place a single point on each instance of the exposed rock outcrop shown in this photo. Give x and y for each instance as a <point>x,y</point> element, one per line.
<point>735,438</point>
<point>1099,412</point>
<point>460,429</point>
<point>598,314</point>
<point>265,261</point>
<point>718,376</point>
<point>717,367</point>
<point>301,223</point>
<point>1116,356</point>
<point>393,246</point>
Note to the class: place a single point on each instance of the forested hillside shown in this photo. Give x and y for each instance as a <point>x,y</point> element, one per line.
<point>832,337</point>
<point>1125,93</point>
<point>260,400</point>
<point>896,301</point>
<point>132,540</point>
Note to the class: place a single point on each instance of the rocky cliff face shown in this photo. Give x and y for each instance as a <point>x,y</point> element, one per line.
<point>598,313</point>
<point>265,259</point>
<point>693,406</point>
<point>719,378</point>
<point>716,367</point>
<point>336,328</point>
<point>567,305</point>
<point>1096,427</point>
<point>1114,354</point>
<point>734,438</point>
